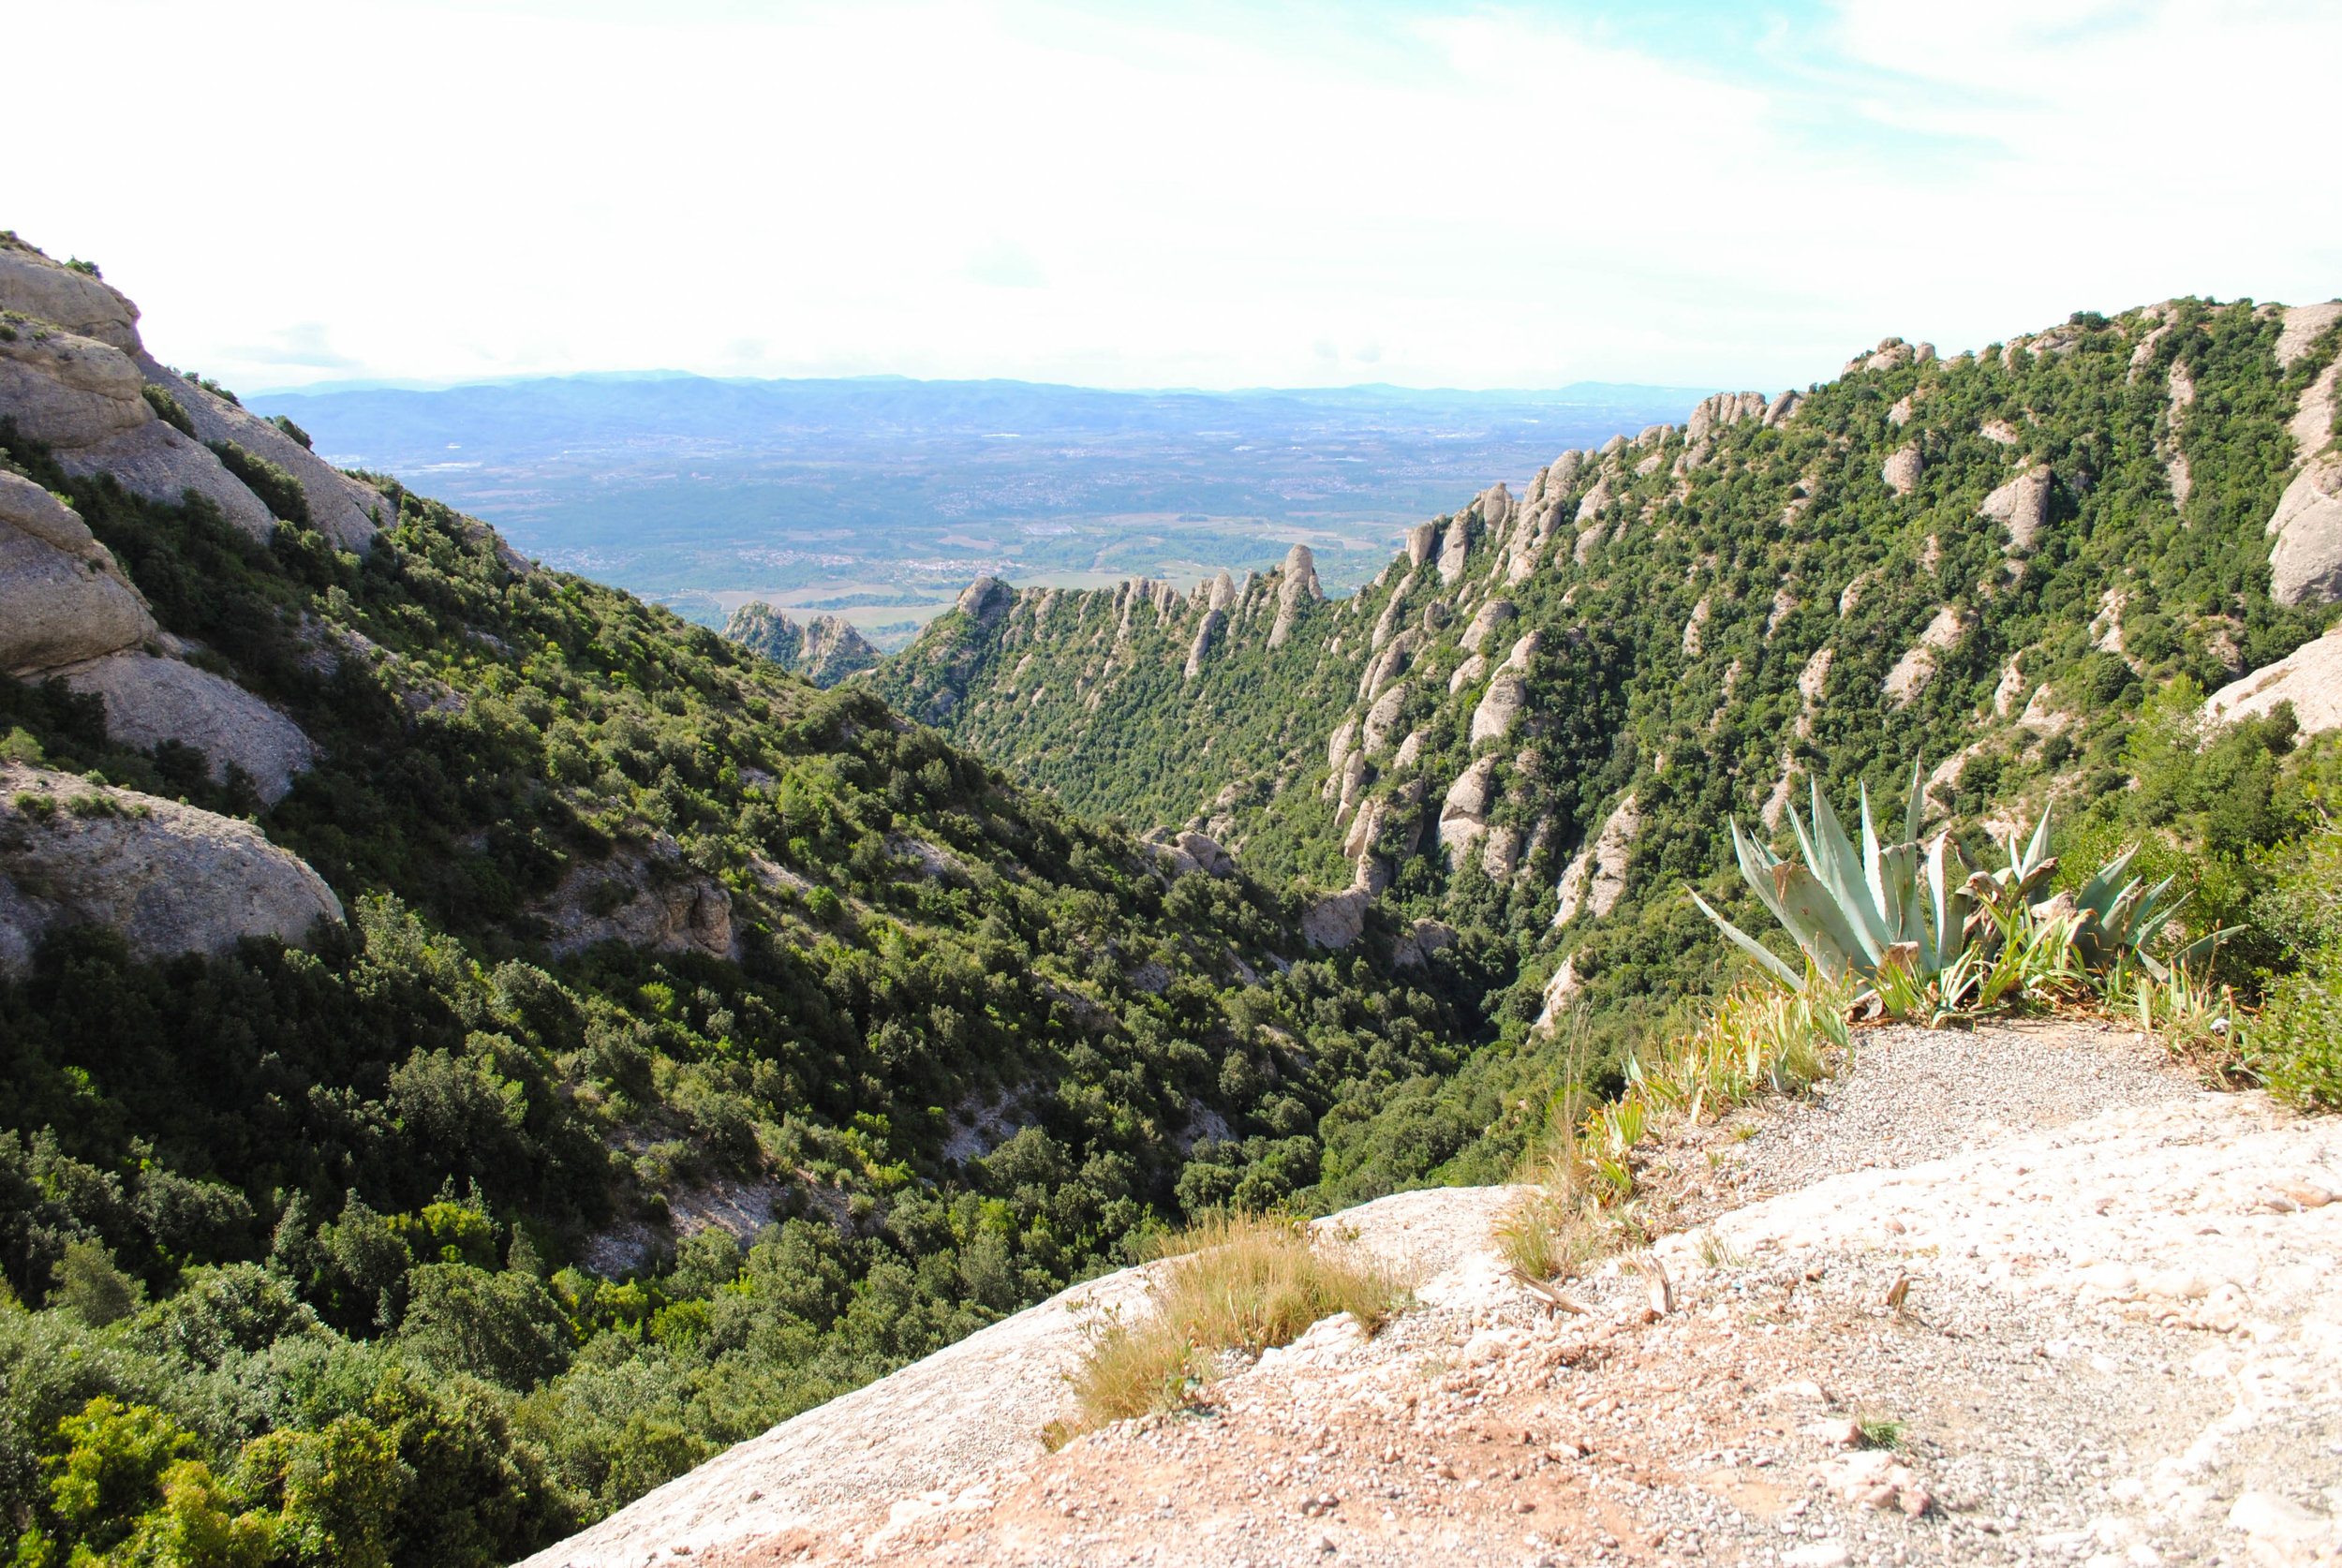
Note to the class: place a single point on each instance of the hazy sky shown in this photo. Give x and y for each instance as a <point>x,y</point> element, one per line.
<point>1152,195</point>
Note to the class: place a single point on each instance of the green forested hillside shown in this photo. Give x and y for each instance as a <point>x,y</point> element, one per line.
<point>1990,566</point>
<point>644,929</point>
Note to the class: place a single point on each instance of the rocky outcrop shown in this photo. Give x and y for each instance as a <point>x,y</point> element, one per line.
<point>1337,920</point>
<point>1484,621</point>
<point>1463,814</point>
<point>1901,471</point>
<point>2023,506</point>
<point>643,898</point>
<point>1455,551</point>
<point>1500,706</point>
<point>2304,326</point>
<point>1382,718</point>
<point>85,399</point>
<point>62,597</point>
<point>1297,588</point>
<point>1189,852</point>
<point>1206,629</point>
<point>988,598</point>
<point>345,510</point>
<point>1420,541</point>
<point>2305,563</point>
<point>1596,877</point>
<point>168,878</point>
<point>150,700</point>
<point>79,301</point>
<point>1916,668</point>
<point>1423,939</point>
<point>1723,411</point>
<point>2309,677</point>
<point>1468,673</point>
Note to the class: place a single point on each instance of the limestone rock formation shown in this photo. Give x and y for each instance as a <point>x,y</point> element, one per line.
<point>1455,551</point>
<point>1902,471</point>
<point>1463,815</point>
<point>168,878</point>
<point>345,510</point>
<point>2023,506</point>
<point>1419,540</point>
<point>1500,706</point>
<point>1206,629</point>
<point>1596,877</point>
<point>1423,939</point>
<point>150,700</point>
<point>1382,717</point>
<point>2304,326</point>
<point>1916,668</point>
<point>988,598</point>
<point>1337,920</point>
<point>643,898</point>
<point>2306,563</point>
<point>81,303</point>
<point>1297,587</point>
<point>1484,621</point>
<point>160,464</point>
<point>62,597</point>
<point>2309,677</point>
<point>1468,673</point>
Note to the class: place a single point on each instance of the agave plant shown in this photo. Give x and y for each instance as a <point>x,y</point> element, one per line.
<point>1902,915</point>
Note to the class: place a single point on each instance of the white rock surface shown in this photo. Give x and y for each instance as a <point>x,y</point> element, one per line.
<point>150,700</point>
<point>82,304</point>
<point>2023,505</point>
<point>1499,708</point>
<point>1484,621</point>
<point>1901,471</point>
<point>1297,587</point>
<point>2309,677</point>
<point>2305,563</point>
<point>168,877</point>
<point>68,390</point>
<point>1463,814</point>
<point>1596,877</point>
<point>1337,920</point>
<point>157,462</point>
<point>2304,326</point>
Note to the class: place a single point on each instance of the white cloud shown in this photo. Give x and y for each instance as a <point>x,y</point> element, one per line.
<point>1491,197</point>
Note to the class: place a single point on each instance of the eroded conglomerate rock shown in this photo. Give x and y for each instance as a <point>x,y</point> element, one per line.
<point>150,700</point>
<point>62,597</point>
<point>1596,877</point>
<point>2309,677</point>
<point>2023,506</point>
<point>644,897</point>
<point>168,878</point>
<point>2306,563</point>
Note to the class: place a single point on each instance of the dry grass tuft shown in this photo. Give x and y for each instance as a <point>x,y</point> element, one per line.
<point>1239,1283</point>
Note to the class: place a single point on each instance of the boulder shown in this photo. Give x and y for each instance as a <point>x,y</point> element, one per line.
<point>1455,551</point>
<point>2312,424</point>
<point>1393,613</point>
<point>1495,505</point>
<point>1916,667</point>
<point>1409,753</point>
<point>1382,717</point>
<point>2306,563</point>
<point>150,700</point>
<point>66,390</point>
<point>1462,816</point>
<point>1297,587</point>
<point>1902,471</point>
<point>1338,920</point>
<point>1783,408</point>
<point>1484,621</point>
<point>1591,504</point>
<point>1206,629</point>
<point>988,598</point>
<point>343,509</point>
<point>1524,649</point>
<point>1467,674</point>
<point>2001,432</point>
<point>157,462</point>
<point>1500,706</point>
<point>1419,540</point>
<point>1338,745</point>
<point>62,599</point>
<point>1502,856</point>
<point>643,898</point>
<point>168,878</point>
<point>2309,677</point>
<point>1423,939</point>
<point>1205,853</point>
<point>2023,505</point>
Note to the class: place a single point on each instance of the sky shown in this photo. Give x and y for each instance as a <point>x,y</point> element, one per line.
<point>1151,195</point>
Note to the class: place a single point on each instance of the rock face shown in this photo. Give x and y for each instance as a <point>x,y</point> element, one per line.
<point>1424,938</point>
<point>158,462</point>
<point>1382,718</point>
<point>1420,541</point>
<point>1500,706</point>
<point>343,509</point>
<point>62,597</point>
<point>1463,815</point>
<point>2023,505</point>
<point>1455,552</point>
<point>79,302</point>
<point>2309,677</point>
<point>1595,878</point>
<point>1902,471</point>
<point>2306,563</point>
<point>150,700</point>
<point>1338,920</point>
<point>988,598</point>
<point>168,878</point>
<point>645,899</point>
<point>1296,588</point>
<point>2304,326</point>
<point>1916,668</point>
<point>1206,629</point>
<point>1484,621</point>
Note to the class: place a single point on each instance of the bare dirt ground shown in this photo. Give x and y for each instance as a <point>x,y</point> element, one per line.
<point>2004,1297</point>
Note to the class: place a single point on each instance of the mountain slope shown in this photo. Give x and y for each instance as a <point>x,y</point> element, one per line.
<point>1534,724</point>
<point>699,1044</point>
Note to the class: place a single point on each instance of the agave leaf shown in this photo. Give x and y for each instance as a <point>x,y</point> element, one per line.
<point>1946,882</point>
<point>2148,919</point>
<point>1840,873</point>
<point>1753,948</point>
<point>2036,851</point>
<point>1915,808</point>
<point>1757,863</point>
<point>2205,945</point>
<point>1817,919</point>
<point>2099,891</point>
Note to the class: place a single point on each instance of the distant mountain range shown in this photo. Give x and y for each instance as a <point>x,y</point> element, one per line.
<point>707,494</point>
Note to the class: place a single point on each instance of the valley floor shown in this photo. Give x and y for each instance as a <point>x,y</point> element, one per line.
<point>2117,1343</point>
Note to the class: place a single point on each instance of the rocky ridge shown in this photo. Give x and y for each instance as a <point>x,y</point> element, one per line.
<point>825,649</point>
<point>2086,1303</point>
